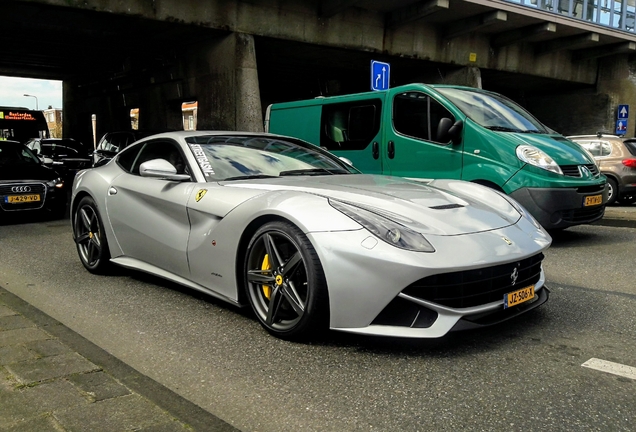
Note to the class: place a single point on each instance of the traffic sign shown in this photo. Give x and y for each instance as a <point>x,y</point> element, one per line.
<point>380,75</point>
<point>623,112</point>
<point>621,127</point>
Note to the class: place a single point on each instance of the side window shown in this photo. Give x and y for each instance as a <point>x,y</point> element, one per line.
<point>606,149</point>
<point>418,115</point>
<point>350,125</point>
<point>161,149</point>
<point>126,159</point>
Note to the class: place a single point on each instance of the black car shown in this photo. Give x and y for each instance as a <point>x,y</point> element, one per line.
<point>66,155</point>
<point>26,184</point>
<point>114,142</point>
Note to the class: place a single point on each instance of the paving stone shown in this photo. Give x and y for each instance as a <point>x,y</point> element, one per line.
<point>46,348</point>
<point>32,371</point>
<point>53,396</point>
<point>40,423</point>
<point>14,354</point>
<point>12,322</point>
<point>99,385</point>
<point>123,413</point>
<point>5,311</point>
<point>23,335</point>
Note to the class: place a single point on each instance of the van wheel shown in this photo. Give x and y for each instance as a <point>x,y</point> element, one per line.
<point>612,191</point>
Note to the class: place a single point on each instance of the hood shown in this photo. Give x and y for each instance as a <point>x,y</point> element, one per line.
<point>438,207</point>
<point>27,172</point>
<point>562,150</point>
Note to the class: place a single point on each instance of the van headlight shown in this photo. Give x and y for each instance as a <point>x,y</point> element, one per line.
<point>534,156</point>
<point>385,229</point>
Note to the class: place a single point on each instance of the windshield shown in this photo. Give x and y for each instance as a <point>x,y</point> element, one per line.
<point>493,111</point>
<point>16,154</point>
<point>244,157</point>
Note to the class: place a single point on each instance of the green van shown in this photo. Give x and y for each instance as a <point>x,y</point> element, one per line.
<point>444,131</point>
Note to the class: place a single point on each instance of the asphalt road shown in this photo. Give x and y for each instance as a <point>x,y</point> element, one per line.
<point>523,375</point>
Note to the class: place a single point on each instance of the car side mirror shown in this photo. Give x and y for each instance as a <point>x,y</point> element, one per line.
<point>47,161</point>
<point>345,160</point>
<point>161,169</point>
<point>447,131</point>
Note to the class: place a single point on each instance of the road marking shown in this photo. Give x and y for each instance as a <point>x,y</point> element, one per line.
<point>611,367</point>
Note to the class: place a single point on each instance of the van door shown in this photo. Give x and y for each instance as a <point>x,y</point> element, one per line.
<point>413,146</point>
<point>352,130</point>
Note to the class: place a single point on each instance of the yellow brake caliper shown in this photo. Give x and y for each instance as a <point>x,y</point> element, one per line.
<point>267,290</point>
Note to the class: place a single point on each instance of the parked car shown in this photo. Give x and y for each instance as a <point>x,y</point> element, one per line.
<point>616,158</point>
<point>65,155</point>
<point>113,142</point>
<point>26,184</point>
<point>306,240</point>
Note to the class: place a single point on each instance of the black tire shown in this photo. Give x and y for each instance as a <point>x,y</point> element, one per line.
<point>628,200</point>
<point>90,238</point>
<point>612,191</point>
<point>285,282</point>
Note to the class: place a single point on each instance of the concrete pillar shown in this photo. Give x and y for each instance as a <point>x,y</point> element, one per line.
<point>617,79</point>
<point>468,76</point>
<point>223,78</point>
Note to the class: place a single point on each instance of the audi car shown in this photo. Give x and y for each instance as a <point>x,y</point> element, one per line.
<point>306,240</point>
<point>26,185</point>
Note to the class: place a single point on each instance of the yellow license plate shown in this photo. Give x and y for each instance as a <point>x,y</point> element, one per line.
<point>17,199</point>
<point>517,297</point>
<point>593,200</point>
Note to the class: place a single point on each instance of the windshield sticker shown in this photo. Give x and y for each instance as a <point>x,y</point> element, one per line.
<point>202,160</point>
<point>200,194</point>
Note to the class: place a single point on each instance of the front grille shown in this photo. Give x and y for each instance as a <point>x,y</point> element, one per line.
<point>583,215</point>
<point>477,287</point>
<point>575,170</point>
<point>36,188</point>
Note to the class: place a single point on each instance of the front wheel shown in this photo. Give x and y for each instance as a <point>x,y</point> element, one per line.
<point>612,191</point>
<point>285,282</point>
<point>90,238</point>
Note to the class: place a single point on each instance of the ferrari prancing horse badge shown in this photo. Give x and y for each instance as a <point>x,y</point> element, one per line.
<point>200,194</point>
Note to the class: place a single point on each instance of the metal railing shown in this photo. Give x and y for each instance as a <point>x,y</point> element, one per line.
<point>619,15</point>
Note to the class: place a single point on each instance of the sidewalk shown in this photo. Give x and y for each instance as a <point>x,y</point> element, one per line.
<point>52,379</point>
<point>619,216</point>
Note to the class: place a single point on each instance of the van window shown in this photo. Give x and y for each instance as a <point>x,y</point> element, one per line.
<point>418,115</point>
<point>350,125</point>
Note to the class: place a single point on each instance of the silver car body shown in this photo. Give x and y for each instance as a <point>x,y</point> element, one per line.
<point>160,227</point>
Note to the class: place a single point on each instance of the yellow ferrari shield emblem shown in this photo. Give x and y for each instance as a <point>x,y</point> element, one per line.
<point>200,194</point>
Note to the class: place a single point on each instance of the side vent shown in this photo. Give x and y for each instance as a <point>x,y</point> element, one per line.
<point>446,206</point>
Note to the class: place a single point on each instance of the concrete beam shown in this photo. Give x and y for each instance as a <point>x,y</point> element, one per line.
<point>566,43</point>
<point>329,8</point>
<point>471,24</point>
<point>525,33</point>
<point>604,51</point>
<point>415,12</point>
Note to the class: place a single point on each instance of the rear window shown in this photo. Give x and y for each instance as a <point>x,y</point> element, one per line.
<point>631,146</point>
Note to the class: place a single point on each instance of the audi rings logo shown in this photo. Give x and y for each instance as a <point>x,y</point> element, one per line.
<point>21,189</point>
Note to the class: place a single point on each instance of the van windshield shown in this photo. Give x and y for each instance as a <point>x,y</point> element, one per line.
<point>493,111</point>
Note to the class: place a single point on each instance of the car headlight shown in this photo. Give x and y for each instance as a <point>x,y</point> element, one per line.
<point>534,156</point>
<point>385,229</point>
<point>57,183</point>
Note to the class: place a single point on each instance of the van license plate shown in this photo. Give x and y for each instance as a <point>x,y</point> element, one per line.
<point>593,200</point>
<point>517,297</point>
<point>18,199</point>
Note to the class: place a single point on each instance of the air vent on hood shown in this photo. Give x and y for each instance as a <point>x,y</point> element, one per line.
<point>447,206</point>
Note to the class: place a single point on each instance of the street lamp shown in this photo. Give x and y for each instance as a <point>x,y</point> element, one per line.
<point>36,100</point>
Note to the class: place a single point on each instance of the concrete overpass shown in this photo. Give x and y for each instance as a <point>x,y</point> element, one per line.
<point>569,61</point>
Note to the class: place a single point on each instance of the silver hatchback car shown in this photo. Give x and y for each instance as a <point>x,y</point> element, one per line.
<point>616,158</point>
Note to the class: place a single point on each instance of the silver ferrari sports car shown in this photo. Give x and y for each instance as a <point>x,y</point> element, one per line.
<point>306,240</point>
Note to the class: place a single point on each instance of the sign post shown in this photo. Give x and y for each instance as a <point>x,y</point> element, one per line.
<point>622,115</point>
<point>380,75</point>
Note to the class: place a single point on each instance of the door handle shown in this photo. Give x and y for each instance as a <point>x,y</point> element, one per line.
<point>376,150</point>
<point>112,191</point>
<point>391,150</point>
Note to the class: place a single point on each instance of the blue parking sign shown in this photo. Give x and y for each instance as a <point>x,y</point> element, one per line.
<point>380,75</point>
<point>621,127</point>
<point>623,112</point>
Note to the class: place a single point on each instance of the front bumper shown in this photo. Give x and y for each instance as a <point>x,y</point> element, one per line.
<point>556,208</point>
<point>366,276</point>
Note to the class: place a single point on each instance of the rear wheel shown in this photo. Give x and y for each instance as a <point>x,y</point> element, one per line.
<point>285,282</point>
<point>90,238</point>
<point>612,191</point>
